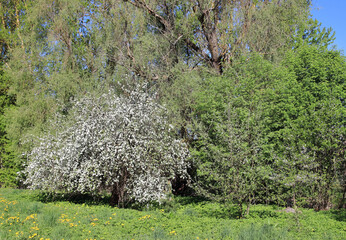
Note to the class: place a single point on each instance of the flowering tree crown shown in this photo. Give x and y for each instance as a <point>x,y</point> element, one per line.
<point>119,143</point>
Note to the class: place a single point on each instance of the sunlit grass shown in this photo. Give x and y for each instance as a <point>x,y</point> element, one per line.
<point>23,217</point>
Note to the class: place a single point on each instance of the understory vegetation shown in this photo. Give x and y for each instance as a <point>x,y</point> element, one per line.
<point>30,215</point>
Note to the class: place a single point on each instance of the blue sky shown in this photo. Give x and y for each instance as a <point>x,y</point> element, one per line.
<point>332,13</point>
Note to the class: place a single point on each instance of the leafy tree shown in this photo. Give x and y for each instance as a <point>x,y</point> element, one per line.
<point>8,168</point>
<point>274,133</point>
<point>311,33</point>
<point>121,144</point>
<point>230,129</point>
<point>216,32</point>
<point>11,15</point>
<point>48,65</point>
<point>308,124</point>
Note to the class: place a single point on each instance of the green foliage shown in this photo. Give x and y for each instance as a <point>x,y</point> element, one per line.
<point>56,220</point>
<point>308,125</point>
<point>261,125</point>
<point>8,169</point>
<point>12,13</point>
<point>231,126</point>
<point>311,33</point>
<point>250,85</point>
<point>50,64</point>
<point>262,232</point>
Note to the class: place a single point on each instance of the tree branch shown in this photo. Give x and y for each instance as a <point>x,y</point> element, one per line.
<point>142,4</point>
<point>197,50</point>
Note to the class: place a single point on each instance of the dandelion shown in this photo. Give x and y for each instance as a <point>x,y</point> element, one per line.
<point>32,236</point>
<point>145,217</point>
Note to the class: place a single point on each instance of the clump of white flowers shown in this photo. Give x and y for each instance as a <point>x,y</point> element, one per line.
<point>118,143</point>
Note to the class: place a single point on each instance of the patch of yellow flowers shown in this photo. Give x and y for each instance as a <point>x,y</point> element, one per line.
<point>145,217</point>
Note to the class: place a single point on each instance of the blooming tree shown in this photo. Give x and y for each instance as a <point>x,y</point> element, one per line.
<point>118,143</point>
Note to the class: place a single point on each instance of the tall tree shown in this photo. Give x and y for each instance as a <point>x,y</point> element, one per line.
<point>214,32</point>
<point>68,47</point>
<point>11,15</point>
<point>308,125</point>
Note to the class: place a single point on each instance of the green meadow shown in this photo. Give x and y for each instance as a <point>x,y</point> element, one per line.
<point>26,214</point>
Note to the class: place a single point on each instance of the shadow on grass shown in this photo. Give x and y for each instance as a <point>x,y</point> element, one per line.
<point>193,205</point>
<point>337,214</point>
<point>197,206</point>
<point>77,198</point>
<point>104,199</point>
<point>190,200</point>
<point>263,213</point>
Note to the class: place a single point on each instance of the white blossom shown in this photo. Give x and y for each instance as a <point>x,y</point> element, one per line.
<point>106,141</point>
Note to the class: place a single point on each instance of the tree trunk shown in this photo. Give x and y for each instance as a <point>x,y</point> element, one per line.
<point>118,191</point>
<point>115,200</point>
<point>240,204</point>
<point>248,206</point>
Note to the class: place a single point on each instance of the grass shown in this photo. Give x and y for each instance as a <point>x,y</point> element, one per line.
<point>24,216</point>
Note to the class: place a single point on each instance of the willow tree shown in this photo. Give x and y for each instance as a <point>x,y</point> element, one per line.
<point>68,47</point>
<point>182,40</point>
<point>52,62</point>
<point>214,32</point>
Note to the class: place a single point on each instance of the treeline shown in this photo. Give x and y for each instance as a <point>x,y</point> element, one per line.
<point>252,89</point>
